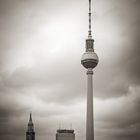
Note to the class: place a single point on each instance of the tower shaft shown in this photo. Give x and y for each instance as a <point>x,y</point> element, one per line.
<point>90,120</point>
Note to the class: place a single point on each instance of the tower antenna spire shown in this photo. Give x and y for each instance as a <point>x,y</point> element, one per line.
<point>89,31</point>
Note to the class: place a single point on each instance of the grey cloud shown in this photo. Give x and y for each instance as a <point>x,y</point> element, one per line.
<point>121,70</point>
<point>123,122</point>
<point>61,81</point>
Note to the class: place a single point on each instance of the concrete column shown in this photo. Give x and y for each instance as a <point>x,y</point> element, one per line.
<point>89,123</point>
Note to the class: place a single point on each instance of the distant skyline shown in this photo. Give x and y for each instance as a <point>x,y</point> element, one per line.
<point>41,43</point>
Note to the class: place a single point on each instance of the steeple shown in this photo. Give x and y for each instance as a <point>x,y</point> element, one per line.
<point>30,134</point>
<point>30,120</point>
<point>30,124</point>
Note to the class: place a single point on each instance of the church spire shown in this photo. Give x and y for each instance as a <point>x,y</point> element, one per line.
<point>30,134</point>
<point>30,124</point>
<point>30,117</point>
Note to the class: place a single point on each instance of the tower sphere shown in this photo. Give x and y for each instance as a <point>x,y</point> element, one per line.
<point>89,59</point>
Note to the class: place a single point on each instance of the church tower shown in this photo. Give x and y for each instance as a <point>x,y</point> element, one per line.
<point>30,134</point>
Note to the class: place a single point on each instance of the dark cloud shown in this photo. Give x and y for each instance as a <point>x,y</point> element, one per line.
<point>121,69</point>
<point>120,118</point>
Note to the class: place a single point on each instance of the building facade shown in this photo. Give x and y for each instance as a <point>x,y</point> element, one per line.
<point>30,133</point>
<point>63,134</point>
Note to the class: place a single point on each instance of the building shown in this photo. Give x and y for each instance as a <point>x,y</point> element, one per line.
<point>30,134</point>
<point>63,134</point>
<point>89,60</point>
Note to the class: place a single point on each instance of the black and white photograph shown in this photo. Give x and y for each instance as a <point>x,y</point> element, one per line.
<point>69,69</point>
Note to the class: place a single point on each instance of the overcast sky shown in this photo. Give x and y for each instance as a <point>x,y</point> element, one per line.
<point>41,43</point>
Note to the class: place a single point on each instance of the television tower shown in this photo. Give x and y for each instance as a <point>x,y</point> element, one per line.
<point>89,60</point>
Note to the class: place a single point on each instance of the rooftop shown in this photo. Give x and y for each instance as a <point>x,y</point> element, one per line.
<point>65,131</point>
